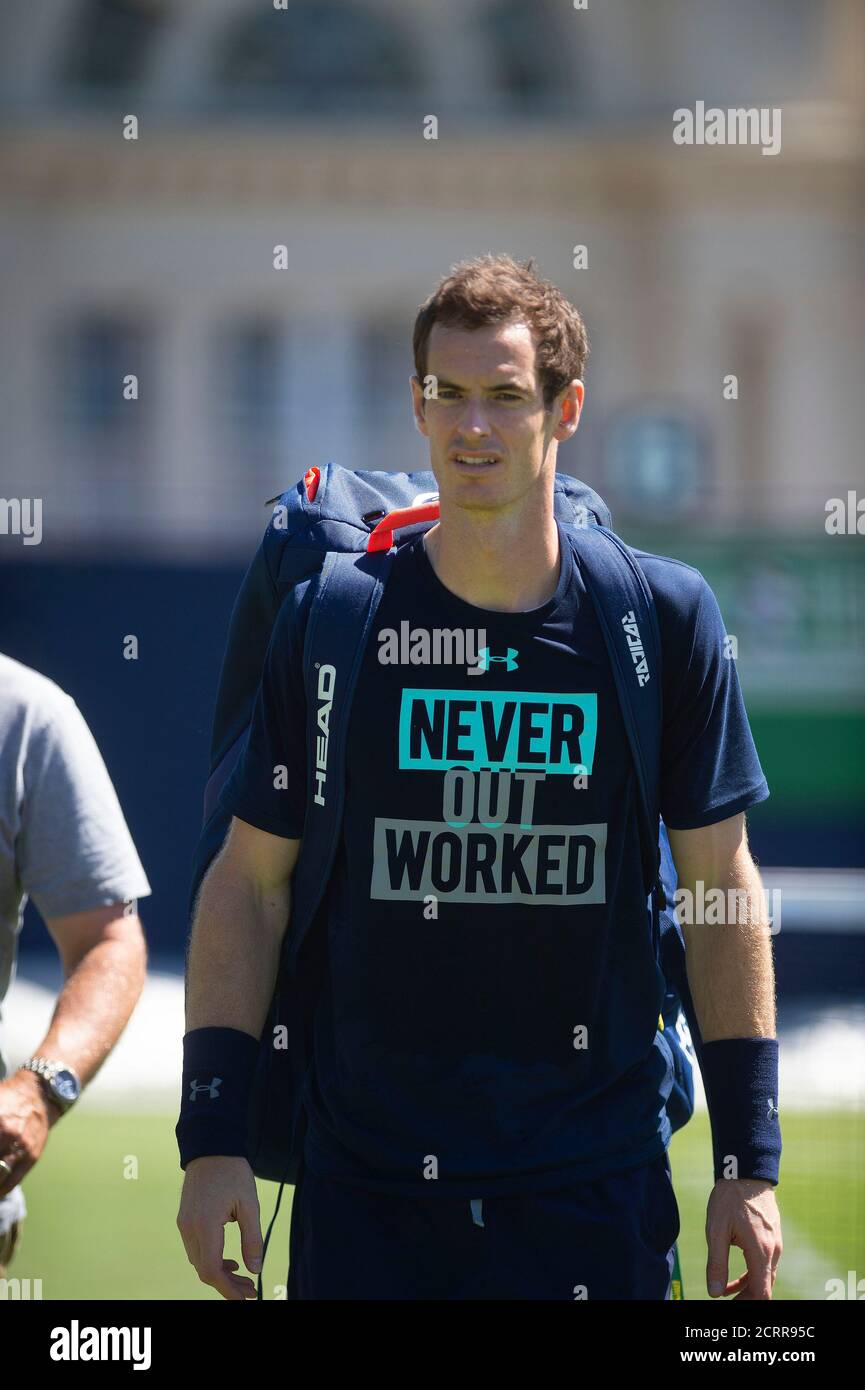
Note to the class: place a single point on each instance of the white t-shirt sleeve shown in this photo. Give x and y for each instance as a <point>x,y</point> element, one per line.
<point>74,849</point>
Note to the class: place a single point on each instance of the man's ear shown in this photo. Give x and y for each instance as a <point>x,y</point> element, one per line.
<point>569,410</point>
<point>418,403</point>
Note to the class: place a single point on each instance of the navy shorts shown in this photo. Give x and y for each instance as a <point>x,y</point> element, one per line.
<point>611,1238</point>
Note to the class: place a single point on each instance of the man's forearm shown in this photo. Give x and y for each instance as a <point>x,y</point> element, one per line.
<point>95,1004</point>
<point>234,951</point>
<point>729,955</point>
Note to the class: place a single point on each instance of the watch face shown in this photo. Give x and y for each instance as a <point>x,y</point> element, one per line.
<point>65,1085</point>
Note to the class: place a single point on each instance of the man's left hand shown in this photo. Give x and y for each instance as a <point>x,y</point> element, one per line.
<point>743,1212</point>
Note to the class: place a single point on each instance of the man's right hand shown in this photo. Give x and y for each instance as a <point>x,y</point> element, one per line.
<point>216,1190</point>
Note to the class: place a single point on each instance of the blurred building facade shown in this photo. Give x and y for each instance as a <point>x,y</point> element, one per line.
<point>304,125</point>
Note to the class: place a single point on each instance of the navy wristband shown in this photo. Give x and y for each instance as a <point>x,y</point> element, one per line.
<point>740,1076</point>
<point>218,1069</point>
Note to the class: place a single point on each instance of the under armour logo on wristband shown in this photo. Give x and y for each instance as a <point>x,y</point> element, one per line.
<point>211,1087</point>
<point>772,1112</point>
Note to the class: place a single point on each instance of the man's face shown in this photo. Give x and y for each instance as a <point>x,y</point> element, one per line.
<point>489,406</point>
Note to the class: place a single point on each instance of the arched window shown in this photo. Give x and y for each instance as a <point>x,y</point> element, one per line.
<point>536,65</point>
<point>322,57</point>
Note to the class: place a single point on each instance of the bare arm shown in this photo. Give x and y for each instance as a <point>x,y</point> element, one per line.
<point>729,953</point>
<point>104,959</point>
<point>731,977</point>
<point>240,920</point>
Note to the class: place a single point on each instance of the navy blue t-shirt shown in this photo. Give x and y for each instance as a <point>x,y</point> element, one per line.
<point>490,1011</point>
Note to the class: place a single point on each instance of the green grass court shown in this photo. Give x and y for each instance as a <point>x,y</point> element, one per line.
<point>93,1233</point>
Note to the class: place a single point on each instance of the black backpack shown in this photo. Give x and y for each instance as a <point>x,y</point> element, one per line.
<point>327,550</point>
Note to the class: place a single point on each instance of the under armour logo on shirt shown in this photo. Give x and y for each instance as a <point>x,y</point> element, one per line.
<point>773,1109</point>
<point>485,658</point>
<point>211,1087</point>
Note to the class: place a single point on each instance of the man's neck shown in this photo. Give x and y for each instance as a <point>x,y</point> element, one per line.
<point>507,563</point>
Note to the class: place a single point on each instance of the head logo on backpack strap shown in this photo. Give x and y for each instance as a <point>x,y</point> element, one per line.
<point>623,604</point>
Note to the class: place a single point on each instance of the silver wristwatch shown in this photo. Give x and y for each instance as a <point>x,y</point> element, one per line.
<point>61,1082</point>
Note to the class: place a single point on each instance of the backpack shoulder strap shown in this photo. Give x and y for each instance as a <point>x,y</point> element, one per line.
<point>343,606</point>
<point>626,613</point>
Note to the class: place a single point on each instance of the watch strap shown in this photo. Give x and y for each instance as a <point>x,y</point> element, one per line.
<point>42,1066</point>
<point>47,1069</point>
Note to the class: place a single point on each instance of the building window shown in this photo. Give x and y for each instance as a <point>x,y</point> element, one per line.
<point>100,435</point>
<point>740,53</point>
<point>390,440</point>
<point>247,400</point>
<point>111,42</point>
<point>534,62</point>
<point>95,356</point>
<point>247,385</point>
<point>321,57</point>
<point>657,462</point>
